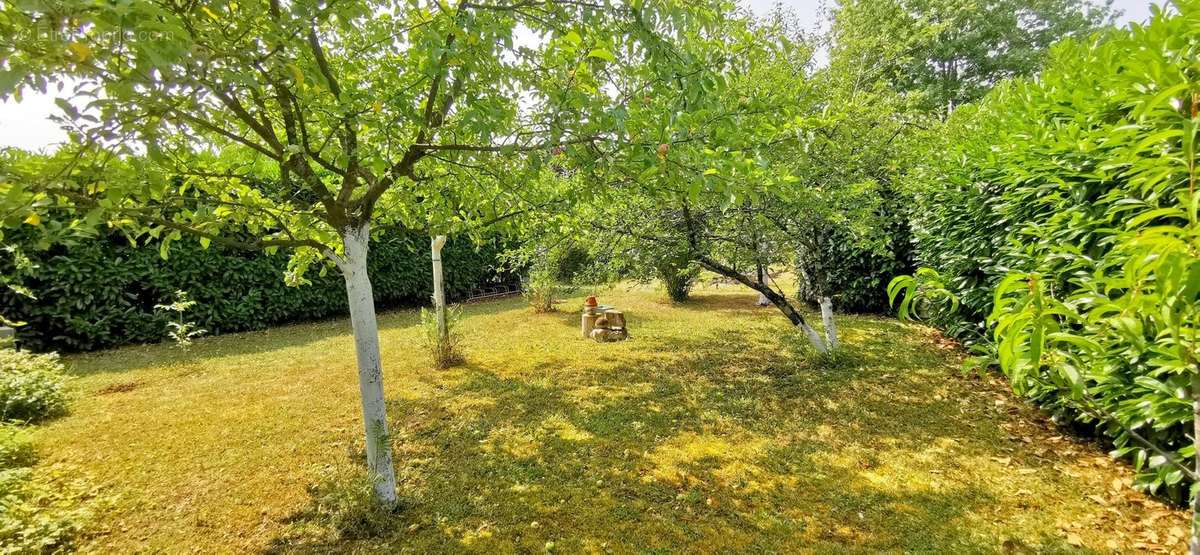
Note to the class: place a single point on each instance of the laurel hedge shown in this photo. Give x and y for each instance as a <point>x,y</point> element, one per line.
<point>1062,212</point>
<point>857,276</point>
<point>101,293</point>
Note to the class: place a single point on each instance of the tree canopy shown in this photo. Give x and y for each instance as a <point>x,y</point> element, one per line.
<point>953,52</point>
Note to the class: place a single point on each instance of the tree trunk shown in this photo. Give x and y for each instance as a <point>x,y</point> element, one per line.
<point>762,280</point>
<point>370,370</point>
<point>761,274</point>
<point>439,291</point>
<point>1194,544</point>
<point>776,299</point>
<point>831,336</point>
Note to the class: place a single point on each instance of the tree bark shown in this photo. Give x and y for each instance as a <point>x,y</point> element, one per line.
<point>439,291</point>
<point>370,370</point>
<point>762,280</point>
<point>831,335</point>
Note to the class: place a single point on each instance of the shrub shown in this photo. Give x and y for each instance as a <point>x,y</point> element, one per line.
<point>541,285</point>
<point>678,284</point>
<point>856,275</point>
<point>677,277</point>
<point>31,386</point>
<point>16,449</point>
<point>102,293</point>
<point>180,330</point>
<point>42,512</point>
<point>1069,203</point>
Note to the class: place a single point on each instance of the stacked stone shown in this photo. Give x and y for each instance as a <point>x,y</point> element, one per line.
<point>604,328</point>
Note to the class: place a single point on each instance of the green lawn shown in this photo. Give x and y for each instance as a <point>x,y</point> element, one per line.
<point>708,431</point>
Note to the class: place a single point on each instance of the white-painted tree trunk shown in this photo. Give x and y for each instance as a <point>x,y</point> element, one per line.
<point>814,338</point>
<point>831,335</point>
<point>370,370</point>
<point>439,291</point>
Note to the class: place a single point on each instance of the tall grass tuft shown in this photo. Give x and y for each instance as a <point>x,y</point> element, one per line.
<point>447,352</point>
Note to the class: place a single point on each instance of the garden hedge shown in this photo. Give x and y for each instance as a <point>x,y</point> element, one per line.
<point>857,275</point>
<point>1052,197</point>
<point>101,293</point>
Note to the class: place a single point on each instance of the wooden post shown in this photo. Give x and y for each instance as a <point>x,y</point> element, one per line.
<point>439,292</point>
<point>8,337</point>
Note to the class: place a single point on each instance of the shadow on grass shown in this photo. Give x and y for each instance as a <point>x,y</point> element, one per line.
<point>737,441</point>
<point>280,338</point>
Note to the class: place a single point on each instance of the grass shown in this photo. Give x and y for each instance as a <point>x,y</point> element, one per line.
<point>709,431</point>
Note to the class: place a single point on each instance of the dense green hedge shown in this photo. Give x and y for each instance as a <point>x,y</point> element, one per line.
<point>1067,199</point>
<point>857,276</point>
<point>101,293</point>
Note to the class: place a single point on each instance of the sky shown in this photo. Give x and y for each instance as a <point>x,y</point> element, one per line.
<point>26,124</point>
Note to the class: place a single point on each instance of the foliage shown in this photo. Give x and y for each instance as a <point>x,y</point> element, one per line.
<point>16,448</point>
<point>923,296</point>
<point>1068,221</point>
<point>447,352</point>
<point>41,510</point>
<point>677,278</point>
<point>18,265</point>
<point>101,293</point>
<point>953,52</point>
<point>31,386</point>
<point>42,513</point>
<point>753,154</point>
<point>849,224</point>
<point>833,263</point>
<point>574,264</point>
<point>539,290</point>
<point>182,332</point>
<point>541,283</point>
<point>326,117</point>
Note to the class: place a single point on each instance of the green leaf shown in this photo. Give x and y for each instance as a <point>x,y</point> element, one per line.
<point>602,54</point>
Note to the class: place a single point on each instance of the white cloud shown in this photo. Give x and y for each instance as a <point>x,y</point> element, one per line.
<point>27,124</point>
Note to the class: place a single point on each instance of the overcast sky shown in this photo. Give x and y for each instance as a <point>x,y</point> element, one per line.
<point>25,124</point>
